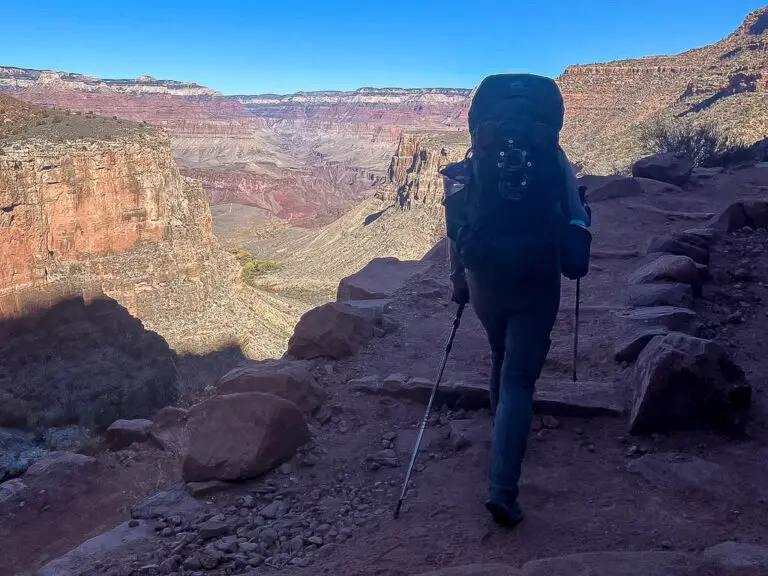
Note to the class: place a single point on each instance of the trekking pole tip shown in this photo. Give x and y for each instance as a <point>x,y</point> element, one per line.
<point>397,509</point>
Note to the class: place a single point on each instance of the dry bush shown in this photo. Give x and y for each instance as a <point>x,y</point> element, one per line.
<point>705,144</point>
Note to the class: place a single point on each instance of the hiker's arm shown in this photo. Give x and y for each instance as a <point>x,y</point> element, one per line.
<point>578,215</point>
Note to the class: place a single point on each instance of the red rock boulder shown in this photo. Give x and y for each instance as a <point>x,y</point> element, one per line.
<point>335,330</point>
<point>238,436</point>
<point>284,378</point>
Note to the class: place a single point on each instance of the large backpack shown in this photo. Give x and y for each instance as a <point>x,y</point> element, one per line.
<point>509,214</point>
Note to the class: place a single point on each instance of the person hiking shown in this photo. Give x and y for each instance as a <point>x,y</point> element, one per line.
<point>515,222</point>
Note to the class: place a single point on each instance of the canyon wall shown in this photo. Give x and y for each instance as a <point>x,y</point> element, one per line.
<point>97,207</point>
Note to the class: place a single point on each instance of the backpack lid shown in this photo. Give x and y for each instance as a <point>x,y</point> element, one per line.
<point>510,98</point>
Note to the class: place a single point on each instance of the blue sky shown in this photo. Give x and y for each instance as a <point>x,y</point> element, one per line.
<point>289,45</point>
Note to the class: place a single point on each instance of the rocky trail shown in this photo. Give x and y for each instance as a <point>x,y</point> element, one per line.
<point>662,503</point>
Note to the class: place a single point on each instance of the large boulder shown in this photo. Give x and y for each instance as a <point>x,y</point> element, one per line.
<point>660,295</point>
<point>682,382</point>
<point>668,268</point>
<point>681,246</point>
<point>334,330</point>
<point>729,220</point>
<point>752,213</point>
<point>756,212</point>
<point>285,378</point>
<point>664,167</point>
<point>380,278</point>
<point>239,436</point>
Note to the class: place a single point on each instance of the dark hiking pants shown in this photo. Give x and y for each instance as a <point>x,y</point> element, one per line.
<point>519,321</point>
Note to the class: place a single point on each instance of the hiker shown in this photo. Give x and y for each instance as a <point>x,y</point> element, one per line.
<point>515,222</point>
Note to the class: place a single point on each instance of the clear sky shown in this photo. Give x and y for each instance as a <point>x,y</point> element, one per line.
<point>242,47</point>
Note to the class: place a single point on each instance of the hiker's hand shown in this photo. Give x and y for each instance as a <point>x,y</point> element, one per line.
<point>460,292</point>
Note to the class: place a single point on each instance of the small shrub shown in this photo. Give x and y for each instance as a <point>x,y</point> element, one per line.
<point>252,267</point>
<point>702,143</point>
<point>58,120</point>
<point>2,152</point>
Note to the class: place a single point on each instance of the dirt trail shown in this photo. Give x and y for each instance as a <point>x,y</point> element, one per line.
<point>577,490</point>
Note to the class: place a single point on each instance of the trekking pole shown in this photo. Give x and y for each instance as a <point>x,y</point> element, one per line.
<point>448,347</point>
<point>576,330</point>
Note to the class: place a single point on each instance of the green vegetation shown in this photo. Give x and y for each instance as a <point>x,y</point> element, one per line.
<point>705,143</point>
<point>252,267</point>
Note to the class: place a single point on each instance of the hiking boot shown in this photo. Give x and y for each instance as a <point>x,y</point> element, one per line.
<point>505,515</point>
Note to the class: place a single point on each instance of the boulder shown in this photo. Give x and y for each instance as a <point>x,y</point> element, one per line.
<point>661,295</point>
<point>18,452</point>
<point>244,435</point>
<point>731,219</point>
<point>123,433</point>
<point>670,168</point>
<point>668,268</point>
<point>285,378</point>
<point>677,245</point>
<point>683,382</point>
<point>739,556</point>
<point>673,318</point>
<point>475,570</point>
<point>615,564</point>
<point>756,212</point>
<point>629,346</point>
<point>380,278</point>
<point>334,330</point>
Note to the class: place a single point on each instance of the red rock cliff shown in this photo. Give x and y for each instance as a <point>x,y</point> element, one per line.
<point>92,206</point>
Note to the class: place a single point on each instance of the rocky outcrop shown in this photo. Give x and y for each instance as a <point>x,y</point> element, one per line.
<point>238,436</point>
<point>414,170</point>
<point>682,382</point>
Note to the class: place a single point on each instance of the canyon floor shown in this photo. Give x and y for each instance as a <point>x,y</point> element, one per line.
<point>585,487</point>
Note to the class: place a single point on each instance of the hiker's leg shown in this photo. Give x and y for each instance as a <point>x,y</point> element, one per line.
<point>527,345</point>
<point>485,303</point>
